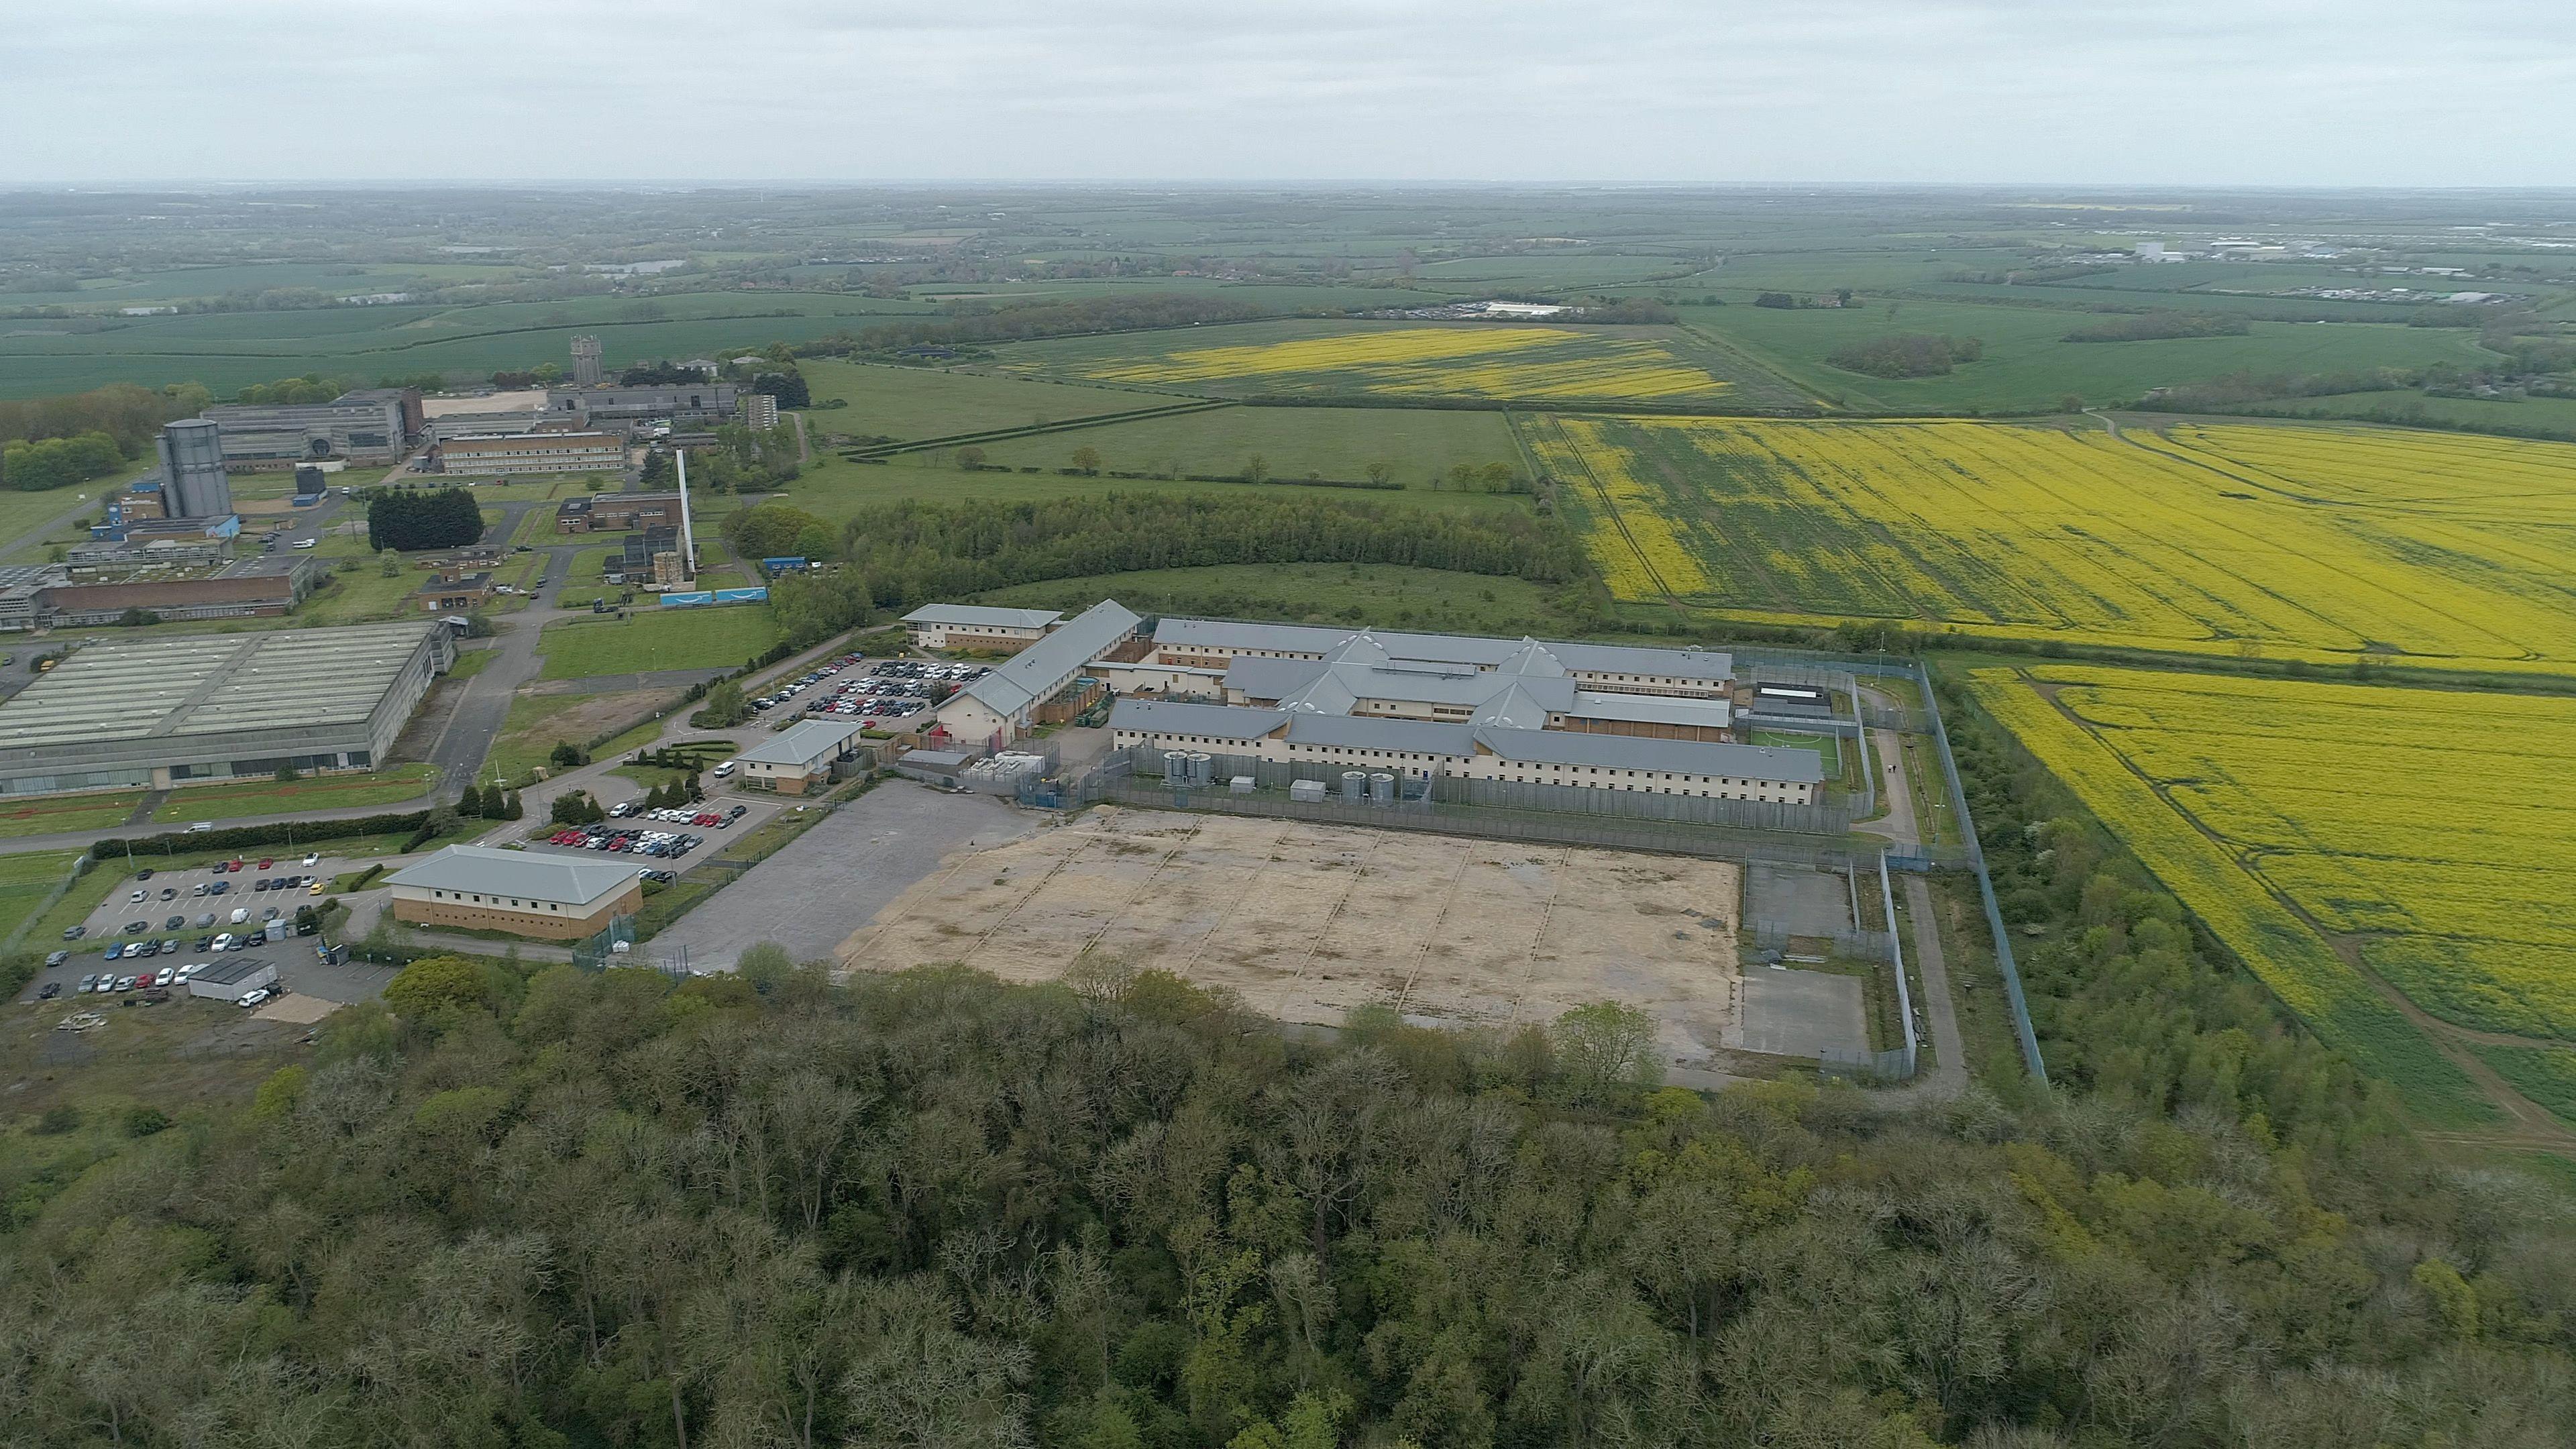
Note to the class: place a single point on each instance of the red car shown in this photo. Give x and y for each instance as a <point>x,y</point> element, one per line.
<point>229,865</point>
<point>265,864</point>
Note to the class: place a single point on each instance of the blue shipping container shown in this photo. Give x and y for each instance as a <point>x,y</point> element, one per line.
<point>687,601</point>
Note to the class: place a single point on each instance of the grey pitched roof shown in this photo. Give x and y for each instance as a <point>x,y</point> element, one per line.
<point>1378,732</point>
<point>1042,668</point>
<point>1652,708</point>
<point>985,615</point>
<point>1514,708</point>
<point>528,875</point>
<point>1680,757</point>
<point>1215,721</point>
<point>1262,678</point>
<point>1709,664</point>
<point>799,743</point>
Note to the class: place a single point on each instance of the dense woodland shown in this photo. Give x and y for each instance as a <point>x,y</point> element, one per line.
<point>568,1209</point>
<point>411,519</point>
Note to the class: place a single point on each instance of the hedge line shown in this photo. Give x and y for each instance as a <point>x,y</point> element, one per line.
<point>279,833</point>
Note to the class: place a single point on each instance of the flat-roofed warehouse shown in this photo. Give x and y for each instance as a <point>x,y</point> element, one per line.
<point>162,712</point>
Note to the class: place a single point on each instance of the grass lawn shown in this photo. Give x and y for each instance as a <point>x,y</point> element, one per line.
<point>834,488</point>
<point>1384,595</point>
<point>23,516</point>
<point>536,723</point>
<point>653,637</point>
<point>388,787</point>
<point>361,595</point>
<point>1825,745</point>
<point>47,814</point>
<point>471,662</point>
<point>1337,443</point>
<point>24,882</point>
<point>920,402</point>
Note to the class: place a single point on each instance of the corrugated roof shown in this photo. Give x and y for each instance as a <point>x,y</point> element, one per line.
<point>1680,757</point>
<point>802,743</point>
<point>1043,668</point>
<point>984,616</point>
<point>527,875</point>
<point>1489,653</point>
<point>1652,709</point>
<point>198,684</point>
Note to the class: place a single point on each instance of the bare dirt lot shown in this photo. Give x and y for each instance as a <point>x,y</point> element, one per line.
<point>1307,921</point>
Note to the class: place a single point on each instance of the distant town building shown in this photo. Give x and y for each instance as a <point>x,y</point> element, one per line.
<point>585,362</point>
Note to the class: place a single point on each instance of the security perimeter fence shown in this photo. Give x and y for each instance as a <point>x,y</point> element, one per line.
<point>600,949</point>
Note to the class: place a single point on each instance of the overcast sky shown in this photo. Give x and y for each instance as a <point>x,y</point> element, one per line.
<point>2315,92</point>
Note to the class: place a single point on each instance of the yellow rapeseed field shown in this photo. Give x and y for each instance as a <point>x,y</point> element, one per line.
<point>2416,822</point>
<point>1538,363</point>
<point>1624,527</point>
<point>2439,825</point>
<point>2240,539</point>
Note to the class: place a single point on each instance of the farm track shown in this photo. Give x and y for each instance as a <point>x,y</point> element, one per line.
<point>1610,508</point>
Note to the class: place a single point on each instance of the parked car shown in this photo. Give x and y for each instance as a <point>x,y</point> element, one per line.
<point>74,933</point>
<point>51,990</point>
<point>252,998</point>
<point>137,928</point>
<point>223,942</point>
<point>165,975</point>
<point>174,923</point>
<point>313,858</point>
<point>56,958</point>
<point>265,864</point>
<point>116,951</point>
<point>86,983</point>
<point>204,943</point>
<point>125,983</point>
<point>169,893</point>
<point>138,898</point>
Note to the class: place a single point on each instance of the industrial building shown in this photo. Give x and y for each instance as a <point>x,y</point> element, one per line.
<point>193,481</point>
<point>372,425</point>
<point>168,711</point>
<point>530,452</point>
<point>170,579</point>
<point>693,402</point>
<point>609,512</point>
<point>798,758</point>
<point>456,591</point>
<point>233,978</point>
<point>1003,705</point>
<point>977,626</point>
<point>523,892</point>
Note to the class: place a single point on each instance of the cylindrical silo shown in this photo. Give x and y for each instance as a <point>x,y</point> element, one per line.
<point>1202,768</point>
<point>1176,766</point>
<point>1354,786</point>
<point>1382,788</point>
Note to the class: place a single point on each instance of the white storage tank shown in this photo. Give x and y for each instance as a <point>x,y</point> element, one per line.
<point>1354,786</point>
<point>1382,788</point>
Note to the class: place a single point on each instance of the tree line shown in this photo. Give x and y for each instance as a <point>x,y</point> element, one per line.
<point>2160,324</point>
<point>899,556</point>
<point>1911,354</point>
<point>524,1207</point>
<point>976,323</point>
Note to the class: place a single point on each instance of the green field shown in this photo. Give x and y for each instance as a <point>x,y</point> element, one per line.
<point>225,350</point>
<point>2028,366</point>
<point>2536,416</point>
<point>1336,443</point>
<point>834,488</point>
<point>887,401</point>
<point>1383,595</point>
<point>25,881</point>
<point>652,638</point>
<point>388,787</point>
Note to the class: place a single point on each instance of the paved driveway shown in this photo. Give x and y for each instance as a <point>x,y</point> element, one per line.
<point>812,895</point>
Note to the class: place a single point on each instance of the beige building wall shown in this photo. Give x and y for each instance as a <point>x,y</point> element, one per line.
<point>519,916</point>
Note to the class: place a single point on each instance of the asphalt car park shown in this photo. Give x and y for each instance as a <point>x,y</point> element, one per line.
<point>166,917</point>
<point>671,840</point>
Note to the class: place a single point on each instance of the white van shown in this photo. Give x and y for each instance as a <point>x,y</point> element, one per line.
<point>726,768</point>
<point>304,543</point>
<point>240,914</point>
